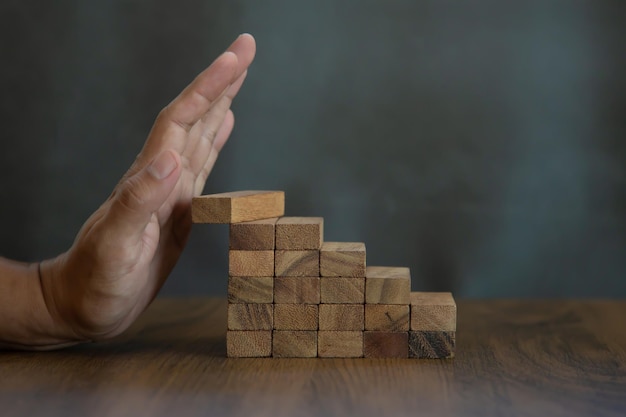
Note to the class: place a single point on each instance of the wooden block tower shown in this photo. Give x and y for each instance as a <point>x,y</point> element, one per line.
<point>293,295</point>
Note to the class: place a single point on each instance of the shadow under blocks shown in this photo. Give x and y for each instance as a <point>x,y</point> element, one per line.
<point>293,295</point>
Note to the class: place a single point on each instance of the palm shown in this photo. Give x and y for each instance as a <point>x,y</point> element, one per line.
<point>125,251</point>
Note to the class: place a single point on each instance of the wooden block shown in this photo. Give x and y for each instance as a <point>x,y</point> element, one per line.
<point>238,206</point>
<point>341,317</point>
<point>295,316</point>
<point>433,311</point>
<point>299,233</point>
<point>386,344</point>
<point>432,345</point>
<point>249,344</point>
<point>331,344</point>
<point>387,317</point>
<point>252,290</point>
<point>342,259</point>
<point>387,285</point>
<point>255,235</point>
<point>294,344</point>
<point>297,263</point>
<point>297,290</point>
<point>337,290</point>
<point>251,263</point>
<point>250,316</point>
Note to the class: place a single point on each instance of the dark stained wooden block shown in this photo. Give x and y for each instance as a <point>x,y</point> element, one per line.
<point>385,344</point>
<point>299,233</point>
<point>254,235</point>
<point>250,316</point>
<point>342,259</point>
<point>341,317</point>
<point>294,344</point>
<point>387,317</point>
<point>297,290</point>
<point>339,290</point>
<point>432,345</point>
<point>296,317</point>
<point>249,344</point>
<point>297,263</point>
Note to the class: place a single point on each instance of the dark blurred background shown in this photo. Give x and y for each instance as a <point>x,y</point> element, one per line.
<point>483,145</point>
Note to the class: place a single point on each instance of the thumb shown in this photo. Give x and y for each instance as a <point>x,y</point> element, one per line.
<point>142,194</point>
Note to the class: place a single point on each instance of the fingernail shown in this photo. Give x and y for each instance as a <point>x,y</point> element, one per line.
<point>163,165</point>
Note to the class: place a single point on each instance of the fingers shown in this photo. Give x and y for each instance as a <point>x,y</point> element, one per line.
<point>141,195</point>
<point>211,153</point>
<point>174,123</point>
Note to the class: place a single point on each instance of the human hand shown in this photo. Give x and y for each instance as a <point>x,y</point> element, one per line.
<point>127,248</point>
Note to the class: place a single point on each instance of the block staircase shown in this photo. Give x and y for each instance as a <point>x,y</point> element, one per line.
<point>293,295</point>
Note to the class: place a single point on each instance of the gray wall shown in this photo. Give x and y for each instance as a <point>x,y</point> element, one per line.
<point>482,145</point>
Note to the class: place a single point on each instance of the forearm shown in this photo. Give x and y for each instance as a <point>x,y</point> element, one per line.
<point>25,321</point>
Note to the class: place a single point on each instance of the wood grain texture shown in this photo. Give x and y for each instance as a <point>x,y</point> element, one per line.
<point>334,290</point>
<point>433,311</point>
<point>387,317</point>
<point>432,345</point>
<point>238,206</point>
<point>341,317</point>
<point>254,235</point>
<point>250,316</point>
<point>249,344</point>
<point>387,285</point>
<point>332,344</point>
<point>296,317</point>
<point>251,263</point>
<point>557,358</point>
<point>297,290</point>
<point>299,233</point>
<point>297,263</point>
<point>342,259</point>
<point>294,344</point>
<point>385,344</point>
<point>252,290</point>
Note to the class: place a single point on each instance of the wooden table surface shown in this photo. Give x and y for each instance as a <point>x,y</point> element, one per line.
<point>522,358</point>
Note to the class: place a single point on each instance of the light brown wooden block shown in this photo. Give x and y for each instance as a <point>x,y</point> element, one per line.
<point>433,311</point>
<point>386,344</point>
<point>432,345</point>
<point>387,317</point>
<point>250,316</point>
<point>238,206</point>
<point>342,259</point>
<point>255,235</point>
<point>251,263</point>
<point>299,233</point>
<point>297,290</point>
<point>341,317</point>
<point>297,263</point>
<point>252,290</point>
<point>387,285</point>
<point>339,290</point>
<point>295,317</point>
<point>294,344</point>
<point>331,344</point>
<point>249,344</point>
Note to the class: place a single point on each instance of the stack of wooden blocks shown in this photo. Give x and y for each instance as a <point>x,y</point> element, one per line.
<point>290,294</point>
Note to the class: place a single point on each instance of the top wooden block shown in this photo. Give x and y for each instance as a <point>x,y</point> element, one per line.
<point>387,285</point>
<point>238,206</point>
<point>342,259</point>
<point>299,233</point>
<point>433,312</point>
